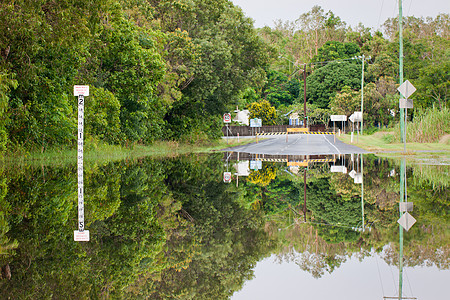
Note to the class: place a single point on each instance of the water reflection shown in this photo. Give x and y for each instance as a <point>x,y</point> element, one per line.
<point>171,228</point>
<point>333,219</point>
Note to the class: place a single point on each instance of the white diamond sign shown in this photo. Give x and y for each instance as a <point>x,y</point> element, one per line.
<point>406,221</point>
<point>406,89</point>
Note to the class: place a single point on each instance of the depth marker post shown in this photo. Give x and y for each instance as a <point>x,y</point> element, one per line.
<point>80,235</point>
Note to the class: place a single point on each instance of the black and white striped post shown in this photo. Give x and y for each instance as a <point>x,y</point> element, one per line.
<point>80,235</point>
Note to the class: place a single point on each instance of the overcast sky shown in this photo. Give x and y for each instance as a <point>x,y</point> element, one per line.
<point>370,13</point>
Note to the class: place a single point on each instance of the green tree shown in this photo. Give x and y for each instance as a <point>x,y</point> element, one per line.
<point>326,81</point>
<point>132,68</point>
<point>6,83</point>
<point>279,89</point>
<point>264,111</point>
<point>231,58</point>
<point>333,50</point>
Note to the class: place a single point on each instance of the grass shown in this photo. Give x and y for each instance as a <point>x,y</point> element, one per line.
<point>429,132</point>
<point>428,126</point>
<point>380,143</point>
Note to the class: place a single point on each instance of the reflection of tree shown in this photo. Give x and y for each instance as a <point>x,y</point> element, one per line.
<point>125,237</point>
<point>334,200</point>
<point>264,176</point>
<point>331,209</point>
<point>231,237</point>
<point>159,228</point>
<point>311,252</point>
<point>6,245</point>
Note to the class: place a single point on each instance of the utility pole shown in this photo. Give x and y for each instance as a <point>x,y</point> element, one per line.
<point>304,96</point>
<point>402,129</point>
<point>400,31</point>
<point>362,94</point>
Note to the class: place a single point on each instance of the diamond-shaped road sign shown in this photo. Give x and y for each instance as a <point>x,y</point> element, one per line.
<point>406,89</point>
<point>406,221</point>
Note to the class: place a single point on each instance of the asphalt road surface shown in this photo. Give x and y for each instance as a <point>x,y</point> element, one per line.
<point>298,144</point>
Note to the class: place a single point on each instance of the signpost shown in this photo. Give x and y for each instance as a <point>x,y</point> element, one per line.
<point>255,123</point>
<point>80,235</point>
<point>355,117</point>
<point>227,120</point>
<point>227,177</point>
<point>342,119</point>
<point>406,103</point>
<point>406,89</point>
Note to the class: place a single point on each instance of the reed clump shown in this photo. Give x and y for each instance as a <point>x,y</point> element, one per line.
<point>427,126</point>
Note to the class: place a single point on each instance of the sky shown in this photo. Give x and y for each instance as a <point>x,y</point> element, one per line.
<point>371,14</point>
<point>369,279</point>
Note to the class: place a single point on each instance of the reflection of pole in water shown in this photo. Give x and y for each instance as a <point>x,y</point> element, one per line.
<point>406,221</point>
<point>304,190</point>
<point>402,199</point>
<point>362,191</point>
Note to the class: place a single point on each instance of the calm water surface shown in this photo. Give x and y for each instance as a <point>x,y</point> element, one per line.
<point>322,227</point>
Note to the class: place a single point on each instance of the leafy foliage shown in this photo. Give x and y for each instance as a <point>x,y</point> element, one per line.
<point>264,111</point>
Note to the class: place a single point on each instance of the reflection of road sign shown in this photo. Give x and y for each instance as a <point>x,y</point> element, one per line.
<point>242,168</point>
<point>227,118</point>
<point>406,206</point>
<point>338,118</point>
<point>352,174</point>
<point>255,122</point>
<point>255,164</point>
<point>406,221</point>
<point>297,163</point>
<point>358,179</point>
<point>406,89</point>
<point>81,236</point>
<point>406,103</point>
<point>338,169</point>
<point>227,177</point>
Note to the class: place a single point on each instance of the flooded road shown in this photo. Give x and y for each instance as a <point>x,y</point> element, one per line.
<point>227,226</point>
<point>299,144</point>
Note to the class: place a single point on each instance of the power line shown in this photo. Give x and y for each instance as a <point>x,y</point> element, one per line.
<point>379,273</point>
<point>379,17</point>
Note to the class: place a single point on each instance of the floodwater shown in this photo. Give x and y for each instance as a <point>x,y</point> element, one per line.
<point>227,226</point>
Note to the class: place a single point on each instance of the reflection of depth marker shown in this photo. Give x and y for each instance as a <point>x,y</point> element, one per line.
<point>80,235</point>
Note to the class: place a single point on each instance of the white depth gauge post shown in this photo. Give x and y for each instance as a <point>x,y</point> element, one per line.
<point>80,235</point>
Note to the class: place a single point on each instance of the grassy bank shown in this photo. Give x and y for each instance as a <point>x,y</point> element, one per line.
<point>381,142</point>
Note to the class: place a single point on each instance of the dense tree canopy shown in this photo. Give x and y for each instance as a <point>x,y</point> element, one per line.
<point>168,69</point>
<point>157,69</point>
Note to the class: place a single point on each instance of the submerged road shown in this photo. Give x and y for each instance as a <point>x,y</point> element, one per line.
<point>298,144</point>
